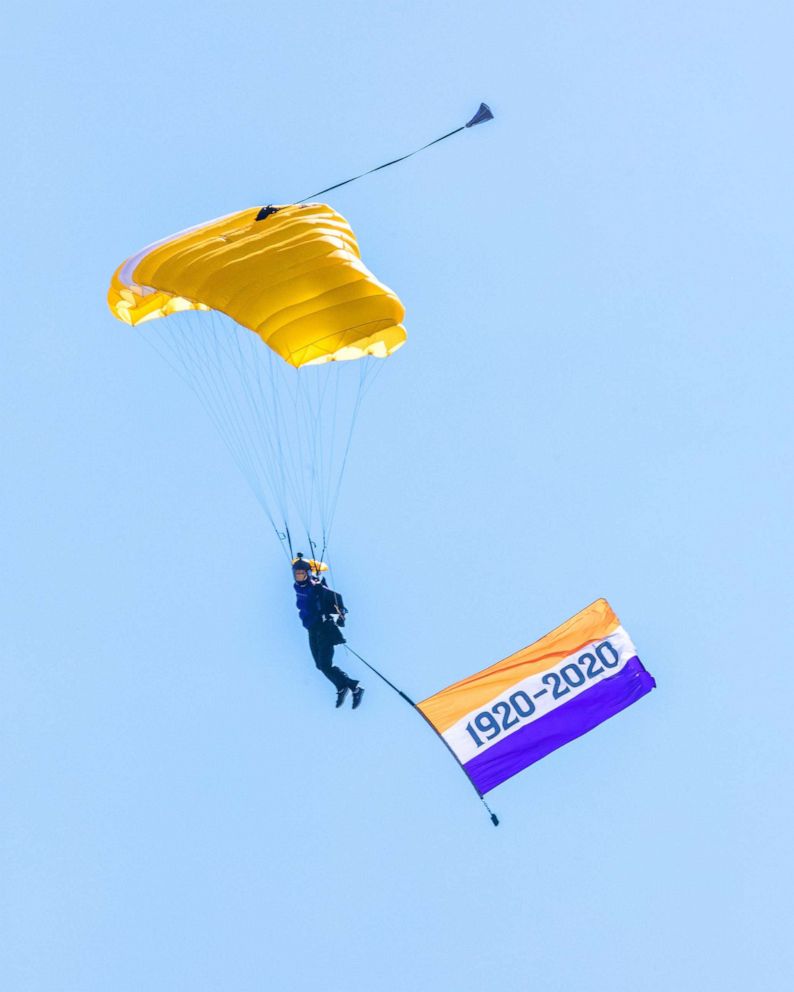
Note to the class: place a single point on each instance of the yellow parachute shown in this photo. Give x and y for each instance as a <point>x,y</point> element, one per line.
<point>292,274</point>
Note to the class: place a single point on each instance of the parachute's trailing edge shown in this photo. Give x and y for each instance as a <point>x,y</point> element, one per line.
<point>291,274</point>
<point>510,715</point>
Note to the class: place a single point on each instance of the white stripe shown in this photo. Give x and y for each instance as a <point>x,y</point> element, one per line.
<point>540,692</point>
<point>127,273</point>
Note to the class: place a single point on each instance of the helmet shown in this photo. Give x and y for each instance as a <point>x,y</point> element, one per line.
<point>300,564</point>
<point>308,564</point>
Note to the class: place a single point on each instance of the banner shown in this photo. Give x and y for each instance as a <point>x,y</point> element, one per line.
<point>510,715</point>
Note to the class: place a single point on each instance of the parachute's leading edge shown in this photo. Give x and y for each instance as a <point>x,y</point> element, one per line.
<point>510,715</point>
<point>291,274</point>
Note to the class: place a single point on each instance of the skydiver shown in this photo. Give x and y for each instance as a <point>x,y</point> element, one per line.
<point>322,612</point>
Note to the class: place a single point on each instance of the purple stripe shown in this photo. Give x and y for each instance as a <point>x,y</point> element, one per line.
<point>566,723</point>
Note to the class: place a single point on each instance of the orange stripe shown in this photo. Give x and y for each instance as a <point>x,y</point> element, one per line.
<point>446,707</point>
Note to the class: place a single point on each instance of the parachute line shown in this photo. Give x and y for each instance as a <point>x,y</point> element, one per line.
<point>288,429</point>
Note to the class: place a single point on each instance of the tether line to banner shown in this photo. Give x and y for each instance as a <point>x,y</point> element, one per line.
<point>412,704</point>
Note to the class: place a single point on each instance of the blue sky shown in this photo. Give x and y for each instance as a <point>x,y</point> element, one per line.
<point>594,400</point>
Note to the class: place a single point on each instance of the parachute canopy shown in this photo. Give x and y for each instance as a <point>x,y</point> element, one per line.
<point>514,713</point>
<point>292,274</point>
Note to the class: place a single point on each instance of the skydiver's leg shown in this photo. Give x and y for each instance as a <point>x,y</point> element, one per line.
<point>314,644</point>
<point>322,647</point>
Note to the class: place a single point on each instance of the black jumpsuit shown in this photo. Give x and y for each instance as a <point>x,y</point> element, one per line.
<point>319,604</point>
